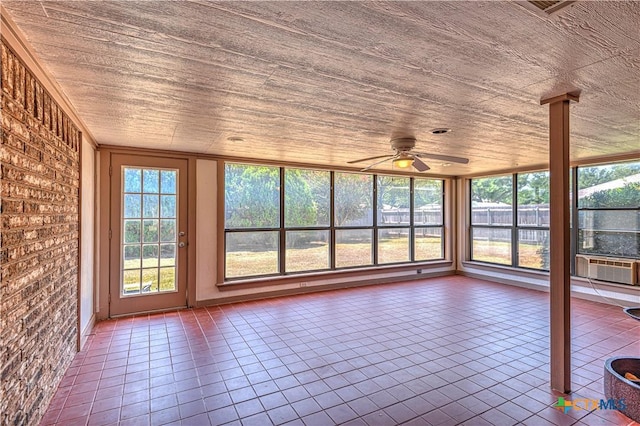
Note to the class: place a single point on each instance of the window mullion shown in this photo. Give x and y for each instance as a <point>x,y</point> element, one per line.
<point>412,254</point>
<point>574,220</point>
<point>375,219</point>
<point>332,224</point>
<point>515,243</point>
<point>282,249</point>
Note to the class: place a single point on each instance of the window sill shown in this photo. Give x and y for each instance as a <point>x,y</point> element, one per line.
<point>503,268</point>
<point>539,280</point>
<point>312,277</point>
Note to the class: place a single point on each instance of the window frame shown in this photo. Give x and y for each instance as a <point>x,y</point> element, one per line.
<point>374,228</point>
<point>514,228</point>
<point>577,209</point>
<point>575,228</point>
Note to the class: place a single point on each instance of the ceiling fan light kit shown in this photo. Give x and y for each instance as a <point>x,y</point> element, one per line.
<point>403,162</point>
<point>404,157</point>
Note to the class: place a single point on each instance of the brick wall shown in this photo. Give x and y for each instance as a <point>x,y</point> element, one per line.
<point>39,168</point>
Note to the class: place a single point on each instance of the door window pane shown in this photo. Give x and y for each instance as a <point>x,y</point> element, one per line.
<point>353,198</point>
<point>167,230</point>
<point>252,196</point>
<point>143,231</point>
<point>491,245</point>
<point>150,280</point>
<point>132,258</point>
<point>168,182</point>
<point>167,278</point>
<point>167,254</point>
<point>150,231</point>
<point>306,198</point>
<point>251,253</point>
<point>149,205</point>
<point>354,247</point>
<point>132,180</point>
<point>149,255</point>
<point>168,206</point>
<point>151,181</point>
<point>131,282</point>
<point>132,205</point>
<point>132,231</point>
<point>393,201</point>
<point>428,243</point>
<point>307,250</point>
<point>393,245</point>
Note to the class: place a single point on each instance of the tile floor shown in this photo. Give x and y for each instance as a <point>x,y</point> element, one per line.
<point>442,351</point>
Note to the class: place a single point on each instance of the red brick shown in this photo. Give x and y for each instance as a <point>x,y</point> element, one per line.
<point>39,166</point>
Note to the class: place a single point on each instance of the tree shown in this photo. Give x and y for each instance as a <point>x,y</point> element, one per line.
<point>304,204</point>
<point>625,196</point>
<point>427,192</point>
<point>353,198</point>
<point>494,189</point>
<point>252,196</point>
<point>393,191</point>
<point>596,175</point>
<point>533,188</point>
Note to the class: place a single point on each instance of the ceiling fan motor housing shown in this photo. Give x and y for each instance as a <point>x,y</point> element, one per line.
<point>403,144</point>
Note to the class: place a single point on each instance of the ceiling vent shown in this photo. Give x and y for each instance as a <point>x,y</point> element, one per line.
<point>546,8</point>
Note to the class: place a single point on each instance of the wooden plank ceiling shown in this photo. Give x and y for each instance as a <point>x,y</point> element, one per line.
<point>328,82</point>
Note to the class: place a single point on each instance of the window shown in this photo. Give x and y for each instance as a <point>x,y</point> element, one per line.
<point>353,218</point>
<point>533,220</point>
<point>252,220</point>
<point>288,220</point>
<point>492,219</point>
<point>393,219</point>
<point>502,235</point>
<point>608,215</point>
<point>609,210</point>
<point>428,221</point>
<point>307,199</point>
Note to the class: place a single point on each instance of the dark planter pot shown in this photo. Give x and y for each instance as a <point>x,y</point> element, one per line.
<point>617,387</point>
<point>633,312</point>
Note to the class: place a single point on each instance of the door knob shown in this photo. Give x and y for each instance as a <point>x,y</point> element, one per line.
<point>181,245</point>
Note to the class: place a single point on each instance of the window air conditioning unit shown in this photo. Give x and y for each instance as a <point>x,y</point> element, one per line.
<point>621,271</point>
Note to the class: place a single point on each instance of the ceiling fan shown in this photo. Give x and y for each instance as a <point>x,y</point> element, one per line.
<point>404,157</point>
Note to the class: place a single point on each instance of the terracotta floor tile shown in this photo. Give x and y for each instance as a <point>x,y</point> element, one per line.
<point>438,417</point>
<point>143,420</point>
<point>374,355</point>
<point>104,418</point>
<point>77,411</point>
<point>192,408</point>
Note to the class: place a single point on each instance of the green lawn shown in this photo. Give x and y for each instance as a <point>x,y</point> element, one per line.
<point>251,263</point>
<point>500,252</point>
<point>166,278</point>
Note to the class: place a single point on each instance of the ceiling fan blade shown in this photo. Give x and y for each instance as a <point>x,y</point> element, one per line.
<point>446,158</point>
<point>370,158</point>
<point>379,162</point>
<point>419,165</point>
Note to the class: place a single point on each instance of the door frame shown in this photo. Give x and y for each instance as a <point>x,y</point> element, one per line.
<point>104,207</point>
